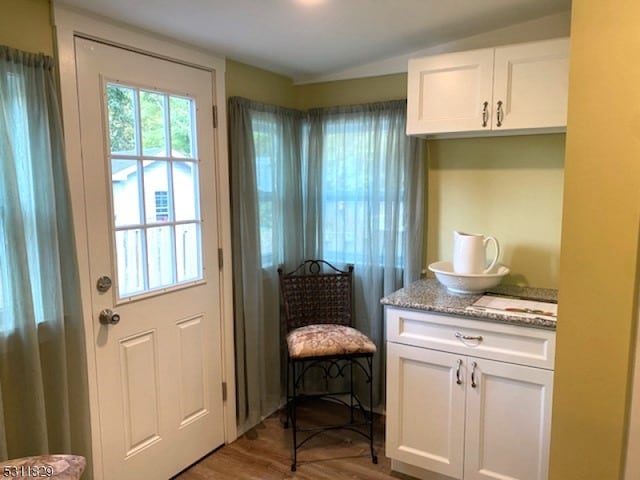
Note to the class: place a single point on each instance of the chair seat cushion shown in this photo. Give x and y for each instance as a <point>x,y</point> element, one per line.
<point>327,340</point>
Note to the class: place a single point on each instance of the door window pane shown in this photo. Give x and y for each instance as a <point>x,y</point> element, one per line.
<point>125,185</point>
<point>156,202</point>
<point>185,187</point>
<point>187,238</point>
<point>121,107</point>
<point>156,179</point>
<point>154,129</point>
<point>180,117</point>
<point>160,257</point>
<point>131,273</point>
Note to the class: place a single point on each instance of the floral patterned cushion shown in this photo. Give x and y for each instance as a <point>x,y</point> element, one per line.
<point>327,339</point>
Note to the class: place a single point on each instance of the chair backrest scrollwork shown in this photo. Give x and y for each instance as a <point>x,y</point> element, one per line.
<point>316,292</point>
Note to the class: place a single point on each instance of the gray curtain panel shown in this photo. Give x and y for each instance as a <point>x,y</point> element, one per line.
<point>266,184</point>
<point>344,184</point>
<point>43,377</point>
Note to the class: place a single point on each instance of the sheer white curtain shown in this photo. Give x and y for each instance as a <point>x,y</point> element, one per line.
<point>343,184</point>
<point>365,206</point>
<point>43,384</point>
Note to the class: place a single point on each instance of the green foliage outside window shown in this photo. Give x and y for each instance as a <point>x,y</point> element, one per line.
<point>122,103</point>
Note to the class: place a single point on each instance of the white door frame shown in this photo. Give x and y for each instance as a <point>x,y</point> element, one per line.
<point>69,23</point>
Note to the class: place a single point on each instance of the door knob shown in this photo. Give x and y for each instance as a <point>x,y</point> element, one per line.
<point>109,317</point>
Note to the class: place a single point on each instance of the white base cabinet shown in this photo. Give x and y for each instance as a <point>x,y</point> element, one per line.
<point>460,413</point>
<point>512,89</point>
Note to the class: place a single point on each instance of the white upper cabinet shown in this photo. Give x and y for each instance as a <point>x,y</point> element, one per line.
<point>513,89</point>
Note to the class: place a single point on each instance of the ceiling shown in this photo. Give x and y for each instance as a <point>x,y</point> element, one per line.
<point>306,39</point>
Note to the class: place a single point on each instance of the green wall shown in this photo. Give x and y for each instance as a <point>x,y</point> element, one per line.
<point>26,25</point>
<point>244,80</point>
<point>508,187</point>
<point>346,92</point>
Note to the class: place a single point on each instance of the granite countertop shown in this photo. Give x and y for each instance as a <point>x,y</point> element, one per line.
<point>429,295</point>
<point>60,467</point>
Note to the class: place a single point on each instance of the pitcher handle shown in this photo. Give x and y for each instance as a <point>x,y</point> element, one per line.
<point>488,239</point>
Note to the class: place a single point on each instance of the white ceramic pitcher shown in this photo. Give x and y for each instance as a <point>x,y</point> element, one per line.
<point>470,253</point>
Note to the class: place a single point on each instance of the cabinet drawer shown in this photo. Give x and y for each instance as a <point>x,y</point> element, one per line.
<point>507,343</point>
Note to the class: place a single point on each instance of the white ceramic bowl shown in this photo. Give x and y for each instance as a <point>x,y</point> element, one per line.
<point>467,283</point>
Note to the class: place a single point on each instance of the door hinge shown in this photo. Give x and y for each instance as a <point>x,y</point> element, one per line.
<point>220,259</point>
<point>224,391</point>
<point>215,116</point>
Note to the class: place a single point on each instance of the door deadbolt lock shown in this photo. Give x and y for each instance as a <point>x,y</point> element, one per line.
<point>104,284</point>
<point>109,317</point>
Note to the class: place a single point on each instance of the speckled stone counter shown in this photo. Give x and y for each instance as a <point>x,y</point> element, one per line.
<point>429,295</point>
<point>60,467</point>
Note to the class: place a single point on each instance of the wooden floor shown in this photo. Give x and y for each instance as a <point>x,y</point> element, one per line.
<point>264,453</point>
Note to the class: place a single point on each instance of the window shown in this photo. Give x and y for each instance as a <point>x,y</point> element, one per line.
<point>268,144</point>
<point>362,198</point>
<point>28,229</point>
<point>351,184</point>
<point>162,206</point>
<point>155,190</point>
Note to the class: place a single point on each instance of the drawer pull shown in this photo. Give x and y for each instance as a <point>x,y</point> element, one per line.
<point>458,379</point>
<point>473,376</point>
<point>461,336</point>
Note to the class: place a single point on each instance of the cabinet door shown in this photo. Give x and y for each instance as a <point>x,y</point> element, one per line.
<point>532,82</point>
<point>508,421</point>
<point>425,408</point>
<point>447,93</point>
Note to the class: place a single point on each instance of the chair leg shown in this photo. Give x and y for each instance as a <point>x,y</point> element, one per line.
<point>288,397</point>
<point>351,394</point>
<point>374,458</point>
<point>293,403</point>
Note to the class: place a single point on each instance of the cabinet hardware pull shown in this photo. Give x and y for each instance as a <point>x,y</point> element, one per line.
<point>458,379</point>
<point>499,114</point>
<point>485,113</point>
<point>468,337</point>
<point>474,384</point>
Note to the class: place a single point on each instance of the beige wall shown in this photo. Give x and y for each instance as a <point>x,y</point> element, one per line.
<point>599,255</point>
<point>26,25</point>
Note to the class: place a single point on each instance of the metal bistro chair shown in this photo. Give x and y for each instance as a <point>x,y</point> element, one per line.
<point>318,309</point>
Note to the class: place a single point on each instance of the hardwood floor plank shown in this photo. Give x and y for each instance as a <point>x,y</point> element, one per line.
<point>264,452</point>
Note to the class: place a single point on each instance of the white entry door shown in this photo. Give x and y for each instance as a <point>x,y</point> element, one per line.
<point>148,159</point>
